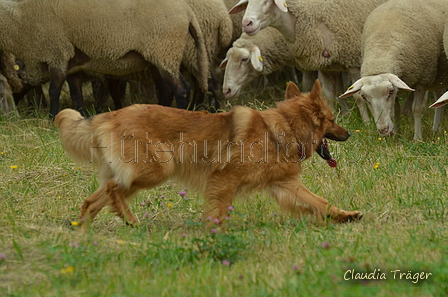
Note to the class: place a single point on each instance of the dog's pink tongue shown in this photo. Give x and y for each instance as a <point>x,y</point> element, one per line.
<point>332,162</point>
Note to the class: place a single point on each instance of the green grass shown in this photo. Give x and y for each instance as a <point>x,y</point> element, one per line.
<point>170,253</point>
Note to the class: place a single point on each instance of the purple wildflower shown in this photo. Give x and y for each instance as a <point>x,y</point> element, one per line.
<point>2,256</point>
<point>325,245</point>
<point>225,262</point>
<point>214,231</point>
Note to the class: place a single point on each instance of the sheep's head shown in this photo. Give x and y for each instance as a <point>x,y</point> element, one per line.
<point>241,66</point>
<point>379,91</point>
<point>259,14</point>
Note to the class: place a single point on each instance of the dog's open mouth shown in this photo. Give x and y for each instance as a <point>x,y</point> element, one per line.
<point>323,151</point>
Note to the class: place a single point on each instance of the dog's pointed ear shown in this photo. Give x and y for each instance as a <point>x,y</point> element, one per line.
<point>292,90</point>
<point>316,92</point>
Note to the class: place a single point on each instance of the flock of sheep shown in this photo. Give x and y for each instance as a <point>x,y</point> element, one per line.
<point>381,46</point>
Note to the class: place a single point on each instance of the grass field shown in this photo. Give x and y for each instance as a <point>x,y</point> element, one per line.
<point>399,184</point>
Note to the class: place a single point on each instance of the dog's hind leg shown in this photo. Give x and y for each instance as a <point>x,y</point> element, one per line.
<point>118,196</point>
<point>92,206</point>
<point>294,197</point>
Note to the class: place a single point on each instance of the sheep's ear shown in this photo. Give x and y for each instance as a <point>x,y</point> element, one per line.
<point>240,6</point>
<point>443,100</point>
<point>282,5</point>
<point>353,88</point>
<point>223,64</point>
<point>398,83</point>
<point>256,59</point>
<point>292,90</point>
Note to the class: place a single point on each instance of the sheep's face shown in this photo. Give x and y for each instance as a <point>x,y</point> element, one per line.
<point>379,91</point>
<point>259,14</point>
<point>241,66</point>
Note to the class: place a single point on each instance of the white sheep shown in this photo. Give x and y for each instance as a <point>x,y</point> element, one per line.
<point>402,48</point>
<point>323,34</point>
<point>115,37</point>
<point>236,19</point>
<point>252,56</point>
<point>443,100</point>
<point>217,28</point>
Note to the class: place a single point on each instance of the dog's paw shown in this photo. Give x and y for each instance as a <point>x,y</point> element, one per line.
<point>356,216</point>
<point>347,216</point>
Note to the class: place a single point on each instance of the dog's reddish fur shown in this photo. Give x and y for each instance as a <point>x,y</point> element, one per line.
<point>220,155</point>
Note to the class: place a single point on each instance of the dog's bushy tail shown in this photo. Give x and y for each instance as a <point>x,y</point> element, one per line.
<point>76,135</point>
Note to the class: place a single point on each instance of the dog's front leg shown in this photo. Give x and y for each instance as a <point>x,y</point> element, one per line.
<point>294,197</point>
<point>219,197</point>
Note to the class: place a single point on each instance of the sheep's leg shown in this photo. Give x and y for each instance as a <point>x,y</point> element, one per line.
<point>397,115</point>
<point>181,91</point>
<point>164,94</point>
<point>117,90</point>
<point>294,197</point>
<point>99,91</point>
<point>56,81</point>
<point>330,81</point>
<point>355,74</point>
<point>438,114</point>
<point>308,79</point>
<point>328,88</point>
<point>75,81</point>
<point>417,108</point>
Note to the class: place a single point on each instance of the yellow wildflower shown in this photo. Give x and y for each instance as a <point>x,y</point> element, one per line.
<point>74,223</point>
<point>68,270</point>
<point>379,138</point>
<point>376,165</point>
<point>357,131</point>
<point>169,204</point>
<point>13,166</point>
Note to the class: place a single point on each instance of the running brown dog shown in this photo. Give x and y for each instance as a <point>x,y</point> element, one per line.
<point>220,155</point>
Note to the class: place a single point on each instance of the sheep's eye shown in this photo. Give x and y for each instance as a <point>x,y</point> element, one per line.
<point>244,60</point>
<point>391,92</point>
<point>364,97</point>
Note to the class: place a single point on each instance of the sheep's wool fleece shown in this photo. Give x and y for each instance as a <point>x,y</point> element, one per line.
<point>405,37</point>
<point>215,22</point>
<point>273,47</point>
<point>334,26</point>
<point>47,31</point>
<point>445,38</point>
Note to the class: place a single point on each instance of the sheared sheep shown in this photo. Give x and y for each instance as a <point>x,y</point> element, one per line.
<point>114,37</point>
<point>402,48</point>
<point>252,56</point>
<point>323,34</point>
